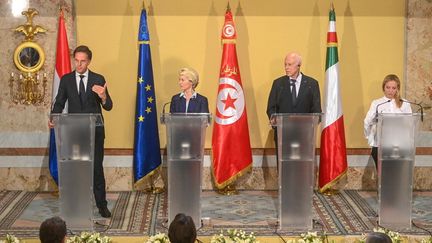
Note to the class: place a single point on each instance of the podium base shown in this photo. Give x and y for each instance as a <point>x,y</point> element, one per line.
<point>228,190</point>
<point>155,190</point>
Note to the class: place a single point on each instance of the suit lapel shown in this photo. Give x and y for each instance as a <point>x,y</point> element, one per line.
<point>192,104</point>
<point>89,86</point>
<point>302,89</point>
<point>73,83</point>
<point>89,83</point>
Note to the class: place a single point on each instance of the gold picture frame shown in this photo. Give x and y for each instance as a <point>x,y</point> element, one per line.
<point>29,57</point>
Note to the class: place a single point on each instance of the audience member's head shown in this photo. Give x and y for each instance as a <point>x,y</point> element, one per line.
<point>378,237</point>
<point>53,230</point>
<point>182,229</point>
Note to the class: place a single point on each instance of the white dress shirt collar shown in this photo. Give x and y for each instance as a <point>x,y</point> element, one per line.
<point>85,79</point>
<point>194,94</point>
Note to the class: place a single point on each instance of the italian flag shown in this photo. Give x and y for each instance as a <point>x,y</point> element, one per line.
<point>333,159</point>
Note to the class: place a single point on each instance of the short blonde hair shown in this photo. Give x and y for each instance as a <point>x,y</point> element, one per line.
<point>191,75</point>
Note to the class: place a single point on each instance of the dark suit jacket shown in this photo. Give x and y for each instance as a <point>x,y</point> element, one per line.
<point>68,91</point>
<point>199,104</point>
<point>308,99</point>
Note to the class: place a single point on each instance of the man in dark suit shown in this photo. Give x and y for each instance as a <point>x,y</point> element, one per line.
<point>307,91</point>
<point>293,92</point>
<point>86,92</point>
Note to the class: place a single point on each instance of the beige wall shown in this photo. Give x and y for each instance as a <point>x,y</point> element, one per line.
<point>187,33</point>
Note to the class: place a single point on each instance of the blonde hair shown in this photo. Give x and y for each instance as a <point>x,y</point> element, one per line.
<point>191,75</point>
<point>395,78</point>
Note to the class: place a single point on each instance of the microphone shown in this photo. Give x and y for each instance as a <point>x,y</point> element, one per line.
<point>163,111</point>
<point>164,105</point>
<point>417,104</point>
<point>376,112</point>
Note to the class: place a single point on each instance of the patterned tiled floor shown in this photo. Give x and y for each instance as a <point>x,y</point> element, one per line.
<point>136,213</point>
<point>257,208</point>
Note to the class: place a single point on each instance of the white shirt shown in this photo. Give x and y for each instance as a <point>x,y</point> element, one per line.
<point>370,128</point>
<point>297,83</point>
<point>85,79</point>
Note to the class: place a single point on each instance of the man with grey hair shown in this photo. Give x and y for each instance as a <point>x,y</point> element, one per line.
<point>294,92</point>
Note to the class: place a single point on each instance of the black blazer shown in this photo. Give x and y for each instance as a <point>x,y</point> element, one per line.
<point>199,104</point>
<point>308,99</point>
<point>68,91</point>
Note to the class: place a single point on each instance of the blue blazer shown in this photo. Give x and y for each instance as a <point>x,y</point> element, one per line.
<point>199,104</point>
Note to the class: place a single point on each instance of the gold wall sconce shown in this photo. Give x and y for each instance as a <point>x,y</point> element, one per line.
<point>28,86</point>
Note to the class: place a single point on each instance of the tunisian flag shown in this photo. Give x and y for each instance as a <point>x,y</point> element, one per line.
<point>333,159</point>
<point>232,155</point>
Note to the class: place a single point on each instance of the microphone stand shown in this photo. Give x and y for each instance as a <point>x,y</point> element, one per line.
<point>162,119</point>
<point>417,104</point>
<point>376,111</point>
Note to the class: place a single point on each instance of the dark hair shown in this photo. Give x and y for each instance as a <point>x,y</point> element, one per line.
<point>182,229</point>
<point>52,230</point>
<point>84,49</point>
<point>378,237</point>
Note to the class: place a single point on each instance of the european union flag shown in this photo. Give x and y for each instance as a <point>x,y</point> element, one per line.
<point>147,158</point>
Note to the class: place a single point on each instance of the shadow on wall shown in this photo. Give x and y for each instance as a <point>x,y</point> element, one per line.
<point>250,8</point>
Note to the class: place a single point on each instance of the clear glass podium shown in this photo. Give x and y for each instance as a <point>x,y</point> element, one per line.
<point>185,149</point>
<point>396,153</point>
<point>296,162</point>
<point>75,136</point>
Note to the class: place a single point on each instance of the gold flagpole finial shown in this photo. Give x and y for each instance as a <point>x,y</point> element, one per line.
<point>61,12</point>
<point>143,5</point>
<point>331,6</point>
<point>228,7</point>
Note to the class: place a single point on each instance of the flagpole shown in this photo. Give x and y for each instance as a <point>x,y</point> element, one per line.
<point>153,189</point>
<point>230,160</point>
<point>147,159</point>
<point>229,189</point>
<point>333,160</point>
<point>55,193</point>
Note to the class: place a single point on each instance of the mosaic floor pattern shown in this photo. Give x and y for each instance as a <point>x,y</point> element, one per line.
<point>136,213</point>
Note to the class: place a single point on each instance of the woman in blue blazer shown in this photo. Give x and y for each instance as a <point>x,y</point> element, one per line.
<point>188,101</point>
